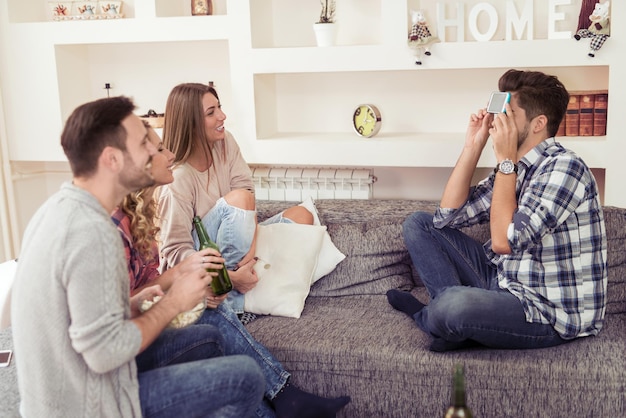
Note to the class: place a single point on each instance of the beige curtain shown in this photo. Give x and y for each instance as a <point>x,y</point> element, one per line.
<point>7,251</point>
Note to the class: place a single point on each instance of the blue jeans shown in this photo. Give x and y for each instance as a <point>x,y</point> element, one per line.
<point>175,346</point>
<point>239,341</point>
<point>233,229</point>
<point>466,301</point>
<point>183,372</point>
<point>221,387</point>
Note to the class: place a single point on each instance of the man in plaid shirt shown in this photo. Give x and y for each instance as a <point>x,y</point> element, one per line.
<point>541,279</point>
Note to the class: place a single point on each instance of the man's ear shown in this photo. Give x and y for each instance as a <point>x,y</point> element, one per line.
<point>111,159</point>
<point>539,123</point>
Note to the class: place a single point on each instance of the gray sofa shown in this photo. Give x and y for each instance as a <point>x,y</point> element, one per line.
<point>350,341</point>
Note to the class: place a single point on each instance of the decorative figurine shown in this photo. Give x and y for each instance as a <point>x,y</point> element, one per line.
<point>420,37</point>
<point>599,30</point>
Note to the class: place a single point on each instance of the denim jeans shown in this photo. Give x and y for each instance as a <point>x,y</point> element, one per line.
<point>175,346</point>
<point>237,340</point>
<point>221,387</point>
<point>233,229</point>
<point>466,301</point>
<point>183,372</point>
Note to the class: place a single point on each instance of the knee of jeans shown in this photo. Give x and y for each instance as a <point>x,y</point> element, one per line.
<point>449,308</point>
<point>415,223</point>
<point>240,198</point>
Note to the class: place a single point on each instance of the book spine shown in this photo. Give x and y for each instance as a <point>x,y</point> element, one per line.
<point>599,114</point>
<point>572,116</point>
<point>561,131</point>
<point>585,125</point>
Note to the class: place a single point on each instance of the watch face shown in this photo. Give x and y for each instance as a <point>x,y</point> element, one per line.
<point>366,120</point>
<point>507,167</point>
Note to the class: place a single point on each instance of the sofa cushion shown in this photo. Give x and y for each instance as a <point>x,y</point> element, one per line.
<point>376,260</point>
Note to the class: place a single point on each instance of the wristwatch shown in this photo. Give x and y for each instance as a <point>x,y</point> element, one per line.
<point>506,167</point>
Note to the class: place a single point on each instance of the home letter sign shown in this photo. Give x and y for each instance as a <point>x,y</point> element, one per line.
<point>483,19</point>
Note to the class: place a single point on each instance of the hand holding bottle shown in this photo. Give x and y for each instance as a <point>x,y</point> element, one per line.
<point>213,300</point>
<point>221,283</point>
<point>206,259</point>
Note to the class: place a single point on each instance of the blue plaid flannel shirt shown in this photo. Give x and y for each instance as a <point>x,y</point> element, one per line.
<point>557,266</point>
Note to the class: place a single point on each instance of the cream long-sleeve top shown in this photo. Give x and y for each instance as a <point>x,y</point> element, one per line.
<point>75,344</point>
<point>194,193</point>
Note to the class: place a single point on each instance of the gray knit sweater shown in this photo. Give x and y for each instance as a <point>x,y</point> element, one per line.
<point>74,343</point>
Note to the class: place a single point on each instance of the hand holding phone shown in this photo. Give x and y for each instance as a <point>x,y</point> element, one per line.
<point>5,357</point>
<point>498,101</point>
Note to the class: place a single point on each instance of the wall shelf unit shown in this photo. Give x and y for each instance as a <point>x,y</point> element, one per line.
<point>289,102</point>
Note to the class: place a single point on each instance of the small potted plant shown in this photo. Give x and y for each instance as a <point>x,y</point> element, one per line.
<point>325,29</point>
<point>328,11</point>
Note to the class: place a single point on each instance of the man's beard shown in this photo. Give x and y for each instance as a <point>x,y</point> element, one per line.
<point>523,135</point>
<point>133,177</point>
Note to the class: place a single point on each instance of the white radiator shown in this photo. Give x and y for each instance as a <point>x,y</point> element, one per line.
<point>296,184</point>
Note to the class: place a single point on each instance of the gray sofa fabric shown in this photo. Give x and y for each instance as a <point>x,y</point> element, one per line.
<point>350,341</point>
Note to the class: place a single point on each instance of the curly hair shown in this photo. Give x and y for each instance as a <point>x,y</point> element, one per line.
<point>142,226</point>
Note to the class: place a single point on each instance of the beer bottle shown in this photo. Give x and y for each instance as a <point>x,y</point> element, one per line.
<point>221,283</point>
<point>458,408</point>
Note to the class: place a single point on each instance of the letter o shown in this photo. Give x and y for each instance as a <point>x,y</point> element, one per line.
<point>473,21</point>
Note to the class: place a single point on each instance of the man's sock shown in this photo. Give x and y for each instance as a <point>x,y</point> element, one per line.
<point>292,402</point>
<point>404,301</point>
<point>440,345</point>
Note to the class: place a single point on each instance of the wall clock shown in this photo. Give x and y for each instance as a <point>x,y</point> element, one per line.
<point>366,120</point>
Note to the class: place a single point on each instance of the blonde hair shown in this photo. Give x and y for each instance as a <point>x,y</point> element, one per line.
<point>142,227</point>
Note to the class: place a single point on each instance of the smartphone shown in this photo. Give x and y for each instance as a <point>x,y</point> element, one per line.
<point>5,357</point>
<point>498,101</point>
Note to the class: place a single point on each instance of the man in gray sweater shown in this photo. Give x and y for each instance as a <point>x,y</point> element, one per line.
<point>76,332</point>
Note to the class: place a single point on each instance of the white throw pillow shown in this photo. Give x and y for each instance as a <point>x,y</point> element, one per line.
<point>330,255</point>
<point>287,256</point>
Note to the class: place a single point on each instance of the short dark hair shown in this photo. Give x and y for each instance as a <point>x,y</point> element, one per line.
<point>538,94</point>
<point>90,128</point>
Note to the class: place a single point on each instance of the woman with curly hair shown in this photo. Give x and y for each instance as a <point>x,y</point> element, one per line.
<point>136,222</point>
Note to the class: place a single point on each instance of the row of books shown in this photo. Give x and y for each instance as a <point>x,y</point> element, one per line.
<point>586,114</point>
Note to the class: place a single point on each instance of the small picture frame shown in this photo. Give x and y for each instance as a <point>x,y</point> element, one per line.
<point>201,7</point>
<point>85,9</point>
<point>110,8</point>
<point>60,9</point>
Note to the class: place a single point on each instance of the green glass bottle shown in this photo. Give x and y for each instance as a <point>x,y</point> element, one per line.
<point>458,408</point>
<point>221,283</point>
